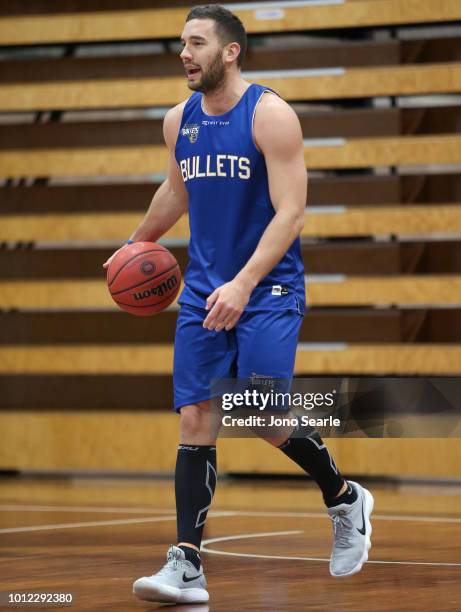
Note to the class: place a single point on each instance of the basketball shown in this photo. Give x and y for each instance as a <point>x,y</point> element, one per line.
<point>143,278</point>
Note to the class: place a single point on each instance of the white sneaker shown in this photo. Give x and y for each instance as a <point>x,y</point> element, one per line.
<point>177,582</point>
<point>352,533</point>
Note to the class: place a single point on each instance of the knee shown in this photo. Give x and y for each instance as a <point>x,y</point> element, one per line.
<point>196,424</point>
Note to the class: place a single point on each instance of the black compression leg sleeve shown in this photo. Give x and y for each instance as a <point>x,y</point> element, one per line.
<point>311,454</point>
<point>195,482</point>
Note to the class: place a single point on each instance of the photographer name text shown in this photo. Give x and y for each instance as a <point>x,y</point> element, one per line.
<point>273,421</point>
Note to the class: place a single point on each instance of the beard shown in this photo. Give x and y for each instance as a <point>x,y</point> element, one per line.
<point>213,78</point>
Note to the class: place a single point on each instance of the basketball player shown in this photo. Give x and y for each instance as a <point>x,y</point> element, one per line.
<point>236,163</point>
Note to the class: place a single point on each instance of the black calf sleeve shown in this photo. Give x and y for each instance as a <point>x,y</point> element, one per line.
<point>311,454</point>
<point>195,482</point>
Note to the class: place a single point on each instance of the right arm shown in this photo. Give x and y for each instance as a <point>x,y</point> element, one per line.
<point>170,201</point>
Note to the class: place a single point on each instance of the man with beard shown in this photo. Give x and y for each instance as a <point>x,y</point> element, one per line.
<point>236,163</point>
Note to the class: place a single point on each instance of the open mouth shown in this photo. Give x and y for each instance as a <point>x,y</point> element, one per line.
<point>192,72</point>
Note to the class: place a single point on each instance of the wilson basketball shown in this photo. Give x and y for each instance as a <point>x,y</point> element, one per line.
<point>143,278</point>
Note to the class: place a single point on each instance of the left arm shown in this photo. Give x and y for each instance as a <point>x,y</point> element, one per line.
<point>278,135</point>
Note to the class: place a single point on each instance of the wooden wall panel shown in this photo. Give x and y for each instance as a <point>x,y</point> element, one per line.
<point>345,53</point>
<point>300,55</point>
<point>364,189</point>
<point>168,23</point>
<point>347,189</point>
<point>359,258</point>
<point>362,325</point>
<point>350,291</point>
<point>409,290</point>
<point>364,152</point>
<point>129,160</point>
<point>431,187</point>
<point>382,359</point>
<point>55,294</point>
<point>97,161</point>
<point>124,442</point>
<point>423,220</point>
<point>333,123</point>
<point>390,220</point>
<point>146,92</point>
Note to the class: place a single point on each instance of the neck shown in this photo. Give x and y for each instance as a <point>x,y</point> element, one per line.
<point>226,97</point>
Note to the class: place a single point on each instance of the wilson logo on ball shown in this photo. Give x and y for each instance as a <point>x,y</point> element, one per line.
<point>159,289</point>
<point>148,268</point>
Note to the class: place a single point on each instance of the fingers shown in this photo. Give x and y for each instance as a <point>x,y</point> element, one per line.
<point>222,317</point>
<point>232,323</point>
<point>224,309</point>
<point>213,307</point>
<point>220,325</point>
<point>212,299</point>
<point>213,316</point>
<point>227,322</point>
<point>106,264</point>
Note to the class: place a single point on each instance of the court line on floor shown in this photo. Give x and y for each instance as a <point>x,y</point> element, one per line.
<point>224,513</point>
<point>204,548</point>
<point>213,514</point>
<point>95,509</point>
<point>217,513</point>
<point>379,517</point>
<point>52,527</point>
<point>56,526</point>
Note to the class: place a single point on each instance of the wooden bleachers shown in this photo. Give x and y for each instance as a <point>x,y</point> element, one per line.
<point>353,221</point>
<point>332,325</point>
<point>148,91</point>
<point>50,26</point>
<point>309,55</point>
<point>77,391</point>
<point>362,257</point>
<point>355,123</point>
<point>354,359</point>
<point>352,291</point>
<point>145,159</point>
<point>81,156</point>
<point>371,191</point>
<point>404,137</point>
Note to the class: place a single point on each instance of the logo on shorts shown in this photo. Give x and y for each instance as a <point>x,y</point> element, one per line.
<point>191,131</point>
<point>147,268</point>
<point>262,380</point>
<point>279,290</point>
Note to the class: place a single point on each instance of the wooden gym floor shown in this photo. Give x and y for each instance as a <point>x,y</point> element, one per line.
<point>267,545</point>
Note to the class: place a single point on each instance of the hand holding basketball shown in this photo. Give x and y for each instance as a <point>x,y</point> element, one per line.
<point>106,264</point>
<point>143,278</point>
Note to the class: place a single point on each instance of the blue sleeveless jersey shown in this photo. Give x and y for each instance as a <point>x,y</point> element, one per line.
<point>230,207</point>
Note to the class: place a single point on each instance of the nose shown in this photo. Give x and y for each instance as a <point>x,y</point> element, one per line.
<point>185,54</point>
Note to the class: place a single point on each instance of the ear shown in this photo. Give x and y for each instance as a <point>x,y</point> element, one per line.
<point>231,52</point>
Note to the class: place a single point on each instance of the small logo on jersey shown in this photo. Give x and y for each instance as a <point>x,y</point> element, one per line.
<point>279,290</point>
<point>209,122</point>
<point>191,131</point>
<point>147,268</point>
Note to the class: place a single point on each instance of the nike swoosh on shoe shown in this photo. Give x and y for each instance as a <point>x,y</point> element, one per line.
<point>190,578</point>
<point>362,530</point>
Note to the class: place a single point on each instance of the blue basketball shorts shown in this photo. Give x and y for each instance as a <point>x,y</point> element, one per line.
<point>263,343</point>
